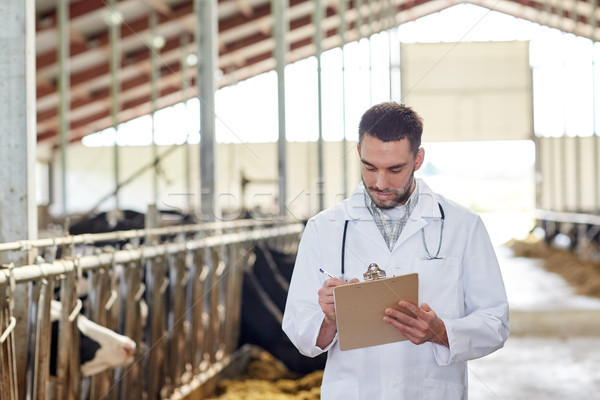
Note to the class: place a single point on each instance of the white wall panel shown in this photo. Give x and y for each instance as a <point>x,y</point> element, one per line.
<point>588,175</point>
<point>90,178</point>
<point>568,173</point>
<point>469,91</point>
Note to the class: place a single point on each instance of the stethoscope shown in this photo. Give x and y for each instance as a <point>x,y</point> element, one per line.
<point>437,253</point>
<point>428,255</point>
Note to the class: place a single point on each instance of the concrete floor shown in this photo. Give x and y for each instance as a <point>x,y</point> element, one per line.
<point>553,352</point>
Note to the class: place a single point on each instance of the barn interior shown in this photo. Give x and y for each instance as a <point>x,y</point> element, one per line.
<point>162,156</point>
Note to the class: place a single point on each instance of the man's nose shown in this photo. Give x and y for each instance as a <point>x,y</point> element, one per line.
<point>382,181</point>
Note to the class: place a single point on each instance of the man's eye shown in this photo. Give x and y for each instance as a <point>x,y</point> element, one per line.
<point>395,171</point>
<point>369,168</point>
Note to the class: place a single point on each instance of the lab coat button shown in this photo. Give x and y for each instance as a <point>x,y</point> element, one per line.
<point>393,383</point>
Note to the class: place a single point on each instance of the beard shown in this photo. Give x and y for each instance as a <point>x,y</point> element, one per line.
<point>397,197</point>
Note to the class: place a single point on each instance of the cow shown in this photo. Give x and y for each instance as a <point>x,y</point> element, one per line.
<point>124,220</point>
<point>264,292</point>
<point>99,348</point>
<point>267,272</point>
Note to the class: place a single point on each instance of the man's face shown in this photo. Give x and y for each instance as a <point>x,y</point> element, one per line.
<point>387,170</point>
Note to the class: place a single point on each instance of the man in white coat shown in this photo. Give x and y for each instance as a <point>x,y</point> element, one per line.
<point>396,221</point>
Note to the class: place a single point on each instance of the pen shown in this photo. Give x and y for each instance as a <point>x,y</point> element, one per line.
<point>325,272</point>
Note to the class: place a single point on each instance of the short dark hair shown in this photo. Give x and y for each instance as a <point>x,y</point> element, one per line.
<point>390,121</point>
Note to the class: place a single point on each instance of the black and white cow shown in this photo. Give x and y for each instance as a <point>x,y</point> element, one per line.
<point>99,348</point>
<point>264,294</point>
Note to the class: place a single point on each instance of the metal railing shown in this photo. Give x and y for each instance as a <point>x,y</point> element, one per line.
<point>583,230</point>
<point>192,287</point>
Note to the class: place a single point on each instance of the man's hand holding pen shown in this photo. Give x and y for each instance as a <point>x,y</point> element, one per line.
<point>326,296</point>
<point>326,301</point>
<point>326,293</point>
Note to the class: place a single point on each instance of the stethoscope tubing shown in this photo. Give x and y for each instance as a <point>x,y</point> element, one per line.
<point>429,256</point>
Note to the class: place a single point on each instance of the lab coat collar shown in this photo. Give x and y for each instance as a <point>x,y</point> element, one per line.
<point>427,209</point>
<point>427,206</point>
<point>356,209</point>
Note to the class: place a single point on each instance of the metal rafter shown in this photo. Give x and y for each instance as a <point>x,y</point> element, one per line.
<point>245,44</point>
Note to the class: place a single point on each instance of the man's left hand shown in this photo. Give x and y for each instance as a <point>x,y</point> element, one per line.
<point>425,326</point>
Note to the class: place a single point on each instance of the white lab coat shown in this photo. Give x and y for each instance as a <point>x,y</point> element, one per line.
<point>465,289</point>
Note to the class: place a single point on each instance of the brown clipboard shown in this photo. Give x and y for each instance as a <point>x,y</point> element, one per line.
<point>359,309</point>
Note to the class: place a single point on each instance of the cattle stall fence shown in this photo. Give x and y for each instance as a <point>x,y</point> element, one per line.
<point>581,231</point>
<point>188,277</point>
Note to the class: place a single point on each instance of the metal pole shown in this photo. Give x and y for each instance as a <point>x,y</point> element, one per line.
<point>400,74</point>
<point>400,66</point>
<point>185,86</point>
<point>358,6</point>
<point>578,141</point>
<point>562,155</point>
<point>63,90</point>
<point>359,31</point>
<point>115,61</point>
<point>317,21</point>
<point>575,14</point>
<point>280,29</point>
<point>206,40</point>
<point>389,25</point>
<point>538,141</point>
<point>153,99</point>
<point>596,141</point>
<point>394,53</point>
<point>29,271</point>
<point>548,181</point>
<point>342,31</point>
<point>556,181</point>
<point>17,154</point>
<point>369,39</point>
<point>539,183</point>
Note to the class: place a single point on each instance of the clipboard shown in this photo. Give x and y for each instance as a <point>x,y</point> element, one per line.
<point>359,309</point>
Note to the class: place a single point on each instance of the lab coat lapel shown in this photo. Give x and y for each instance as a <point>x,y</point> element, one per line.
<point>368,230</point>
<point>413,226</point>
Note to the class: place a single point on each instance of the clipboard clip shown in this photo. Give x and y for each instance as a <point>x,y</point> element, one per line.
<point>373,272</point>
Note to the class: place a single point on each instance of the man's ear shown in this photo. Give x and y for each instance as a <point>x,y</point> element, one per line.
<point>420,157</point>
<point>358,149</point>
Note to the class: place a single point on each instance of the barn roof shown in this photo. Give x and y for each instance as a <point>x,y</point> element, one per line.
<point>245,44</point>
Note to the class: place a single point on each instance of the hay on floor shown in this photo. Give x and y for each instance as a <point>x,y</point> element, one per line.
<point>583,275</point>
<point>266,378</point>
